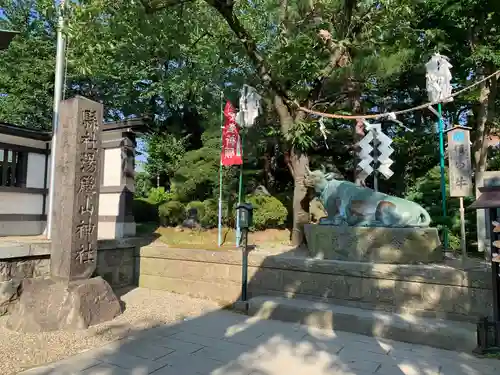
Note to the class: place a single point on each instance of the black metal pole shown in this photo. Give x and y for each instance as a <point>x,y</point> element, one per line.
<point>244,264</point>
<point>495,269</point>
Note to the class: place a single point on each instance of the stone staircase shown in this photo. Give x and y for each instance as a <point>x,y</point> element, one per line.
<point>439,333</point>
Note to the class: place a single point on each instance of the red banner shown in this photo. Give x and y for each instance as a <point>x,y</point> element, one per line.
<point>231,141</point>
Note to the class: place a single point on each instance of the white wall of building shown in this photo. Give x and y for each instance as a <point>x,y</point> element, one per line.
<point>109,204</point>
<point>36,171</point>
<point>20,203</point>
<point>112,172</point>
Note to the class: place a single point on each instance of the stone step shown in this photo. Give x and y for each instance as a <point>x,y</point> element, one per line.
<point>437,333</point>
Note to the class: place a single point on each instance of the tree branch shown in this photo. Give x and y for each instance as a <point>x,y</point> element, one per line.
<point>156,6</point>
<point>225,9</point>
<point>337,58</point>
<point>200,38</point>
<point>339,55</point>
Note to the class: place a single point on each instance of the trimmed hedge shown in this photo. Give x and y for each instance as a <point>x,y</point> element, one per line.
<point>172,213</point>
<point>211,213</point>
<point>268,212</point>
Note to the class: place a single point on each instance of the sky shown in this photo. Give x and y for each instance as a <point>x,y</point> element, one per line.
<point>140,159</point>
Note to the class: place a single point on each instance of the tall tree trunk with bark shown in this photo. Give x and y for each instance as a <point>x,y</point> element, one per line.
<point>357,130</point>
<point>485,114</point>
<point>298,163</point>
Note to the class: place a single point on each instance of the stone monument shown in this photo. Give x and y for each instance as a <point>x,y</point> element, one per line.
<point>71,298</point>
<point>369,226</point>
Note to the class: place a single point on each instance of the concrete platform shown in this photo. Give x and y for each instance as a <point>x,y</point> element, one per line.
<point>437,333</point>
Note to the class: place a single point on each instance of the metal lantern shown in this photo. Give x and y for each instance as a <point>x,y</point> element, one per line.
<point>245,215</point>
<point>488,331</point>
<point>245,220</point>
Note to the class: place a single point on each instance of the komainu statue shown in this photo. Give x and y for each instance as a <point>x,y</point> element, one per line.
<point>349,204</point>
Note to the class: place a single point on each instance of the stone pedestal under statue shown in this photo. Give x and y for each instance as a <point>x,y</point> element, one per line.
<point>374,244</point>
<point>71,298</point>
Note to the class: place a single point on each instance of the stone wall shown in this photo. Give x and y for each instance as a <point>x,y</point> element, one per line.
<point>424,290</point>
<point>116,265</point>
<point>21,259</point>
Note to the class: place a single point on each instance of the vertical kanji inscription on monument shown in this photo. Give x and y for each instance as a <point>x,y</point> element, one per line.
<point>76,205</point>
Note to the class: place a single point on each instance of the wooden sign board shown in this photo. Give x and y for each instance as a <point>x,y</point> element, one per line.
<point>460,163</point>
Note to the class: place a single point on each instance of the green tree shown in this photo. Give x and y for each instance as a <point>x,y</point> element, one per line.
<point>27,66</point>
<point>357,56</point>
<point>467,32</point>
<point>143,184</point>
<point>301,53</point>
<point>165,152</point>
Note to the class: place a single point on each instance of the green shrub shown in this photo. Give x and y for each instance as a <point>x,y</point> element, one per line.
<point>268,212</point>
<point>144,211</point>
<point>159,196</point>
<point>172,213</point>
<point>210,214</point>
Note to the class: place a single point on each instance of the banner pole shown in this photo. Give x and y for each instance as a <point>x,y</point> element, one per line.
<point>442,172</point>
<point>240,194</point>
<point>219,223</point>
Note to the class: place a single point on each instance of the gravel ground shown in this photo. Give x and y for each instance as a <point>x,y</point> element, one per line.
<point>144,309</point>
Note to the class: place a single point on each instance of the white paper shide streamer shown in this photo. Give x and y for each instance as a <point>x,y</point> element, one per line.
<point>324,131</point>
<point>438,79</point>
<point>249,106</point>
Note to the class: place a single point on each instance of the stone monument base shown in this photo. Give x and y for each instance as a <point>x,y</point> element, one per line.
<point>50,305</point>
<point>376,244</point>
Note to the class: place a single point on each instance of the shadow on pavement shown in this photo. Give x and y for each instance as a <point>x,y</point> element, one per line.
<point>226,343</point>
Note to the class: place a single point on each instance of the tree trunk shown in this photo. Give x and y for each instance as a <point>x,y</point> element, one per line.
<point>484,118</point>
<point>357,130</point>
<point>268,174</point>
<point>480,146</point>
<point>300,163</point>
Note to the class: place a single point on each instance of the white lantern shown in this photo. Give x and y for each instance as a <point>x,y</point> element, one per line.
<point>439,79</point>
<point>249,107</point>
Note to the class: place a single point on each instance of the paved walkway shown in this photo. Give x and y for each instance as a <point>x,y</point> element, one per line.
<point>224,343</point>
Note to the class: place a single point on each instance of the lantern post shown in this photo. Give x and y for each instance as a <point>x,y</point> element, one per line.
<point>244,213</point>
<point>488,330</point>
